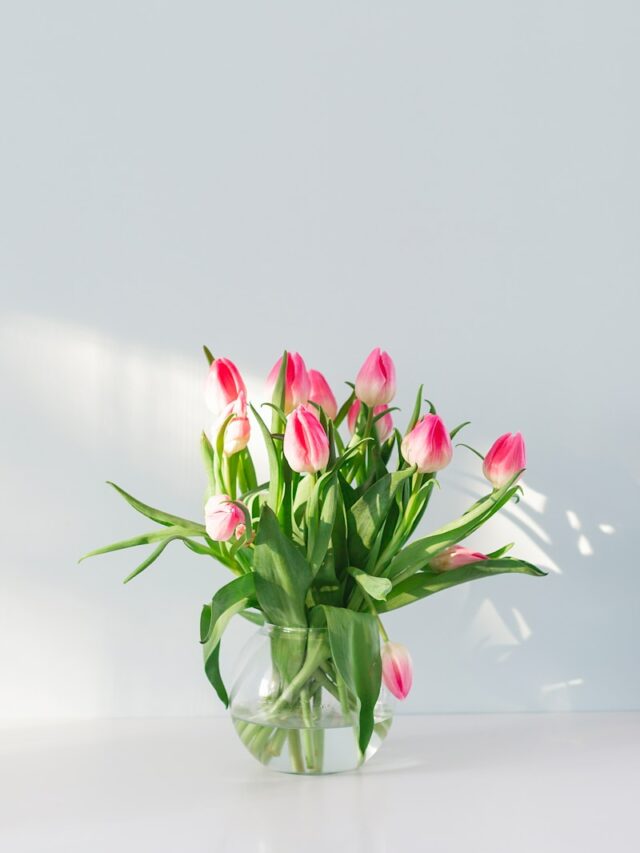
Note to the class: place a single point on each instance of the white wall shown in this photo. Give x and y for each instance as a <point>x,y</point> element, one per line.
<point>457,183</point>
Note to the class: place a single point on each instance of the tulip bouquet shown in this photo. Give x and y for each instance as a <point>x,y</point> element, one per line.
<point>322,549</point>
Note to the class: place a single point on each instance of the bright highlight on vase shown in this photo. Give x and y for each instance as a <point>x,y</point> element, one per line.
<point>323,549</point>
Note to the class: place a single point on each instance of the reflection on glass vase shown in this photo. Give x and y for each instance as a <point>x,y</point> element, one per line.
<point>292,710</point>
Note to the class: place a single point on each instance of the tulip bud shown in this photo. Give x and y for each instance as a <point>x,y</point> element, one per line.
<point>296,381</point>
<point>222,517</point>
<point>384,425</point>
<point>428,445</point>
<point>321,393</point>
<point>238,429</point>
<point>397,669</point>
<point>376,379</point>
<point>306,446</point>
<point>454,557</point>
<point>223,384</point>
<point>506,457</point>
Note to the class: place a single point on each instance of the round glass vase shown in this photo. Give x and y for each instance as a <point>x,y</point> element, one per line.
<point>291,709</point>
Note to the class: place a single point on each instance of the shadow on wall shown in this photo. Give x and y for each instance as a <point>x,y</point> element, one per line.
<point>496,631</point>
<point>147,405</point>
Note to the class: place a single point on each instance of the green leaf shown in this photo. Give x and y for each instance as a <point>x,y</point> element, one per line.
<point>278,397</point>
<point>253,616</point>
<point>275,473</point>
<point>369,513</point>
<point>500,552</point>
<point>457,429</point>
<point>282,575</point>
<point>197,548</point>
<point>320,520</point>
<point>247,471</point>
<point>344,408</point>
<point>150,559</point>
<point>208,355</point>
<point>378,588</point>
<point>350,452</point>
<point>355,649</point>
<point>472,449</point>
<point>230,599</point>
<point>419,553</point>
<point>415,414</point>
<point>146,539</point>
<point>206,451</point>
<point>427,583</point>
<point>155,514</point>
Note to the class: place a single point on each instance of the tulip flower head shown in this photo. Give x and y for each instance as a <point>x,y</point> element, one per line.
<point>223,384</point>
<point>505,458</point>
<point>297,383</point>
<point>397,669</point>
<point>238,429</point>
<point>428,445</point>
<point>222,518</point>
<point>376,379</point>
<point>321,393</point>
<point>454,557</point>
<point>384,425</point>
<point>306,446</point>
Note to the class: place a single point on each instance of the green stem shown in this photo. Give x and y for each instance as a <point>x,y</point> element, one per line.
<point>295,751</point>
<point>307,733</point>
<point>311,664</point>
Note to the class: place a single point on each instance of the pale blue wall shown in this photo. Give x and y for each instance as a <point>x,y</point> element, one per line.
<point>457,182</point>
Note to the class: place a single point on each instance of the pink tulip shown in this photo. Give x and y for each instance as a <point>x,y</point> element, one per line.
<point>454,557</point>
<point>238,430</point>
<point>376,379</point>
<point>306,445</point>
<point>297,382</point>
<point>223,384</point>
<point>222,518</point>
<point>428,445</point>
<point>397,669</point>
<point>321,393</point>
<point>506,457</point>
<point>384,426</point>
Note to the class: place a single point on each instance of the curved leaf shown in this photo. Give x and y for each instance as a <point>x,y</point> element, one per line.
<point>369,512</point>
<point>155,514</point>
<point>423,584</point>
<point>282,575</point>
<point>146,539</point>
<point>275,472</point>
<point>417,554</point>
<point>355,649</point>
<point>320,519</point>
<point>230,599</point>
<point>378,588</point>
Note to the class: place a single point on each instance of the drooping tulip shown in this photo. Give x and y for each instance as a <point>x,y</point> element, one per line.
<point>454,557</point>
<point>223,384</point>
<point>428,445</point>
<point>321,393</point>
<point>222,517</point>
<point>297,384</point>
<point>397,669</point>
<point>238,430</point>
<point>384,425</point>
<point>505,458</point>
<point>306,446</point>
<point>376,379</point>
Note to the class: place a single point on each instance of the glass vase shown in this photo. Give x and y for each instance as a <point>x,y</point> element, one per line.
<point>291,709</point>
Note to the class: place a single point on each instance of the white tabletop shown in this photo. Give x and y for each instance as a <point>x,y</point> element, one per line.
<point>516,783</point>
